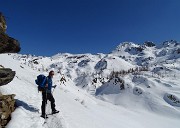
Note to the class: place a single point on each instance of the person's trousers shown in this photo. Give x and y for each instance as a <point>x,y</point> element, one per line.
<point>47,96</point>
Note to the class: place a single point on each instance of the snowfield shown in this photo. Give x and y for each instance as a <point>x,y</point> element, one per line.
<point>91,97</point>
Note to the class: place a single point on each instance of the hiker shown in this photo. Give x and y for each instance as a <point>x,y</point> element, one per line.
<point>63,80</point>
<point>47,95</point>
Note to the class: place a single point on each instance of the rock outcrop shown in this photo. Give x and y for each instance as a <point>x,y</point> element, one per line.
<point>6,76</point>
<point>7,45</point>
<point>7,105</point>
<point>3,26</point>
<point>149,44</point>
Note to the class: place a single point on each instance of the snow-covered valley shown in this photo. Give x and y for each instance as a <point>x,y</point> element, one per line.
<point>134,86</point>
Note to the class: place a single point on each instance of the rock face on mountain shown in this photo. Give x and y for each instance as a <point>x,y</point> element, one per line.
<point>2,23</point>
<point>149,44</point>
<point>7,45</point>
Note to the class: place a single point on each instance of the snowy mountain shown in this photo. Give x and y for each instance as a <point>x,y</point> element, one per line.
<point>135,86</point>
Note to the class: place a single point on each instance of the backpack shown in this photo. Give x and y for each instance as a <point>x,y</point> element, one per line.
<point>40,81</point>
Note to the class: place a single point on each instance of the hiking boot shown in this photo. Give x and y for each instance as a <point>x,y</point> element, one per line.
<point>55,111</point>
<point>44,116</point>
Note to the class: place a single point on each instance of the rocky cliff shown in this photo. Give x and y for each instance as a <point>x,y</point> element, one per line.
<point>7,45</point>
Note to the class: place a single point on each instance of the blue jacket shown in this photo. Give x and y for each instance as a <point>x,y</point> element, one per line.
<point>50,83</point>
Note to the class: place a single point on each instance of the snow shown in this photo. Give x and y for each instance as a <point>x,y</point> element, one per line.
<point>150,98</point>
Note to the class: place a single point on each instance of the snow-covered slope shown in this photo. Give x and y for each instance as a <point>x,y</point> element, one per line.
<point>135,86</point>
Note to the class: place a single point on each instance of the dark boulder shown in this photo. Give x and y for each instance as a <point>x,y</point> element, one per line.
<point>6,76</point>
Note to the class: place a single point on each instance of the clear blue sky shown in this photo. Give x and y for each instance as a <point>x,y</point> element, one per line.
<point>47,27</point>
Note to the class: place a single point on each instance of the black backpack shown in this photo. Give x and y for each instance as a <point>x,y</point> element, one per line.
<point>41,81</point>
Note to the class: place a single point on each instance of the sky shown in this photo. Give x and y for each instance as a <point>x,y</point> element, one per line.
<point>48,27</point>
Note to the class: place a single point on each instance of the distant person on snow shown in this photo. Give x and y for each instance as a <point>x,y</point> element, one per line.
<point>47,95</point>
<point>62,80</point>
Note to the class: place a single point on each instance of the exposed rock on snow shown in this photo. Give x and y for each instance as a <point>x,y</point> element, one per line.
<point>137,91</point>
<point>101,65</point>
<point>83,63</point>
<point>149,44</point>
<point>7,104</point>
<point>172,99</point>
<point>6,76</point>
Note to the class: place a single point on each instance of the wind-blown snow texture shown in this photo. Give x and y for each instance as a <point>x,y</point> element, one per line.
<point>91,98</point>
